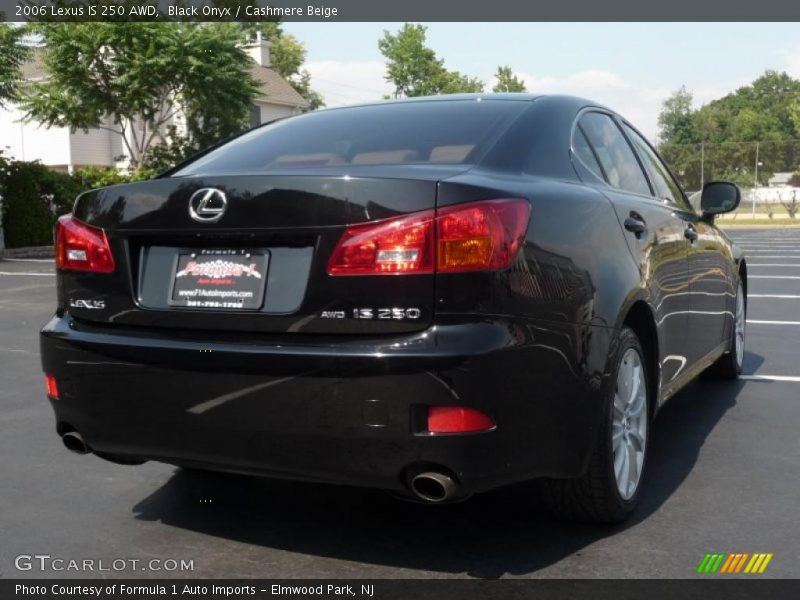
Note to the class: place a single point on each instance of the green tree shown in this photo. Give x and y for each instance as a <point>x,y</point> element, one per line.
<point>13,52</point>
<point>726,137</point>
<point>794,111</point>
<point>675,119</point>
<point>453,82</point>
<point>507,81</point>
<point>302,83</point>
<point>135,78</point>
<point>415,70</point>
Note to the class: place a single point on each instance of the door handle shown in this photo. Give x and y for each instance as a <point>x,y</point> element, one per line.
<point>635,224</point>
<point>690,233</point>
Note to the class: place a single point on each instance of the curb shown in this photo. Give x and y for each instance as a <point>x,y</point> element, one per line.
<point>28,252</point>
<point>740,225</point>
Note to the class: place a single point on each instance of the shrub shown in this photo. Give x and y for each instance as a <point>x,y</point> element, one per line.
<point>33,197</point>
<point>95,177</point>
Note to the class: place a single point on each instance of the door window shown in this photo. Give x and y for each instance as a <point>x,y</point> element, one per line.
<point>666,187</point>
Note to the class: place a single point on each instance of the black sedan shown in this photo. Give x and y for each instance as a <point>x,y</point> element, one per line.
<point>435,297</point>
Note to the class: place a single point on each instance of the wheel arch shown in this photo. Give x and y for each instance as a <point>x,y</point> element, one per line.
<point>742,270</point>
<point>639,317</point>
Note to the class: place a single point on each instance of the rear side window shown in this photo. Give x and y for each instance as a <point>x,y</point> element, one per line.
<point>584,151</point>
<point>437,132</point>
<point>620,167</point>
<point>666,187</point>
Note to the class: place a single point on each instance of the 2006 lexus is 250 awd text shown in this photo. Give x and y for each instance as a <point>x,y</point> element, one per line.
<point>435,297</point>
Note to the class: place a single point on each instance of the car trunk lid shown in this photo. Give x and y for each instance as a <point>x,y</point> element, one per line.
<point>268,237</point>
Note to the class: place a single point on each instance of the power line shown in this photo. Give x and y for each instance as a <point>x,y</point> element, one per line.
<point>341,96</point>
<point>759,142</point>
<point>353,87</point>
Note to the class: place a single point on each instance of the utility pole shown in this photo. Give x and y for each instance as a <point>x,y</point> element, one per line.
<point>702,165</point>
<point>755,184</point>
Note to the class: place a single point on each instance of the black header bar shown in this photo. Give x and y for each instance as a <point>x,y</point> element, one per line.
<point>403,10</point>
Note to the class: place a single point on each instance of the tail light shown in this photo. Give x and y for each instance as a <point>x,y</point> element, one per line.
<point>80,247</point>
<point>398,245</point>
<point>457,419</point>
<point>479,236</point>
<point>50,386</point>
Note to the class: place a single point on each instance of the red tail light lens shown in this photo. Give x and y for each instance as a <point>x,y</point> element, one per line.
<point>80,247</point>
<point>50,386</point>
<point>479,236</point>
<point>457,419</point>
<point>393,246</point>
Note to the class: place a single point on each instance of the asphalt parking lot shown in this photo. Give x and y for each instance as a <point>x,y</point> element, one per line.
<point>724,477</point>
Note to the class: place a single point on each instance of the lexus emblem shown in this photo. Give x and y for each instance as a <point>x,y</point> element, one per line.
<point>207,205</point>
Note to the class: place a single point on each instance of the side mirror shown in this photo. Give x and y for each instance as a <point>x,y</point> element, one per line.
<point>719,197</point>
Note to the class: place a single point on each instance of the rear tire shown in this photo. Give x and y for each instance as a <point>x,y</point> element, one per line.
<point>604,494</point>
<point>729,365</point>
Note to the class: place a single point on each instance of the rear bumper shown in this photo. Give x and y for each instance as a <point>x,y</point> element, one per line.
<point>340,411</point>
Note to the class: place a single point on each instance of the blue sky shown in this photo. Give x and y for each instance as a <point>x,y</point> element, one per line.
<point>630,66</point>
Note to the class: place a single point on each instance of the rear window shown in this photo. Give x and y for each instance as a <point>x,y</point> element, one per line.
<point>437,132</point>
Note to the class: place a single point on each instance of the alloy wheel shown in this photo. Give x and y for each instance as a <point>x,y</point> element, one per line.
<point>740,326</point>
<point>629,424</point>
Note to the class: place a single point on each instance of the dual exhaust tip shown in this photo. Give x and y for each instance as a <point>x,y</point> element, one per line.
<point>73,441</point>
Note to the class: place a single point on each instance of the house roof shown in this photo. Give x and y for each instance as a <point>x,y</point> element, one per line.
<point>33,68</point>
<point>780,178</point>
<point>274,88</point>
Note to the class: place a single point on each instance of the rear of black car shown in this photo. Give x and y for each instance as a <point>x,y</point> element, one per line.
<point>271,307</point>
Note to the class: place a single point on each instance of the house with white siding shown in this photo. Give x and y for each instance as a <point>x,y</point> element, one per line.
<point>62,150</point>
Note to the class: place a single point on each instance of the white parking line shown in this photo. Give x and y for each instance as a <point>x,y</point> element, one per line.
<point>792,296</point>
<point>769,378</point>
<point>754,322</point>
<point>772,276</point>
<point>28,274</point>
<point>47,260</point>
<point>792,265</point>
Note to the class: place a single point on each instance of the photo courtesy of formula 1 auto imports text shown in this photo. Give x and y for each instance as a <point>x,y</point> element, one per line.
<point>370,300</point>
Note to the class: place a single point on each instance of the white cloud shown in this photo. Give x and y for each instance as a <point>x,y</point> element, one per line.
<point>351,82</point>
<point>638,103</point>
<point>348,82</point>
<point>792,61</point>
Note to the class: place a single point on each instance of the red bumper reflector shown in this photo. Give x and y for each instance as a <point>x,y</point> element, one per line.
<point>50,386</point>
<point>457,419</point>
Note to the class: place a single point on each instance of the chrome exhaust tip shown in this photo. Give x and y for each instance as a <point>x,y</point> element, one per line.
<point>73,441</point>
<point>433,487</point>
